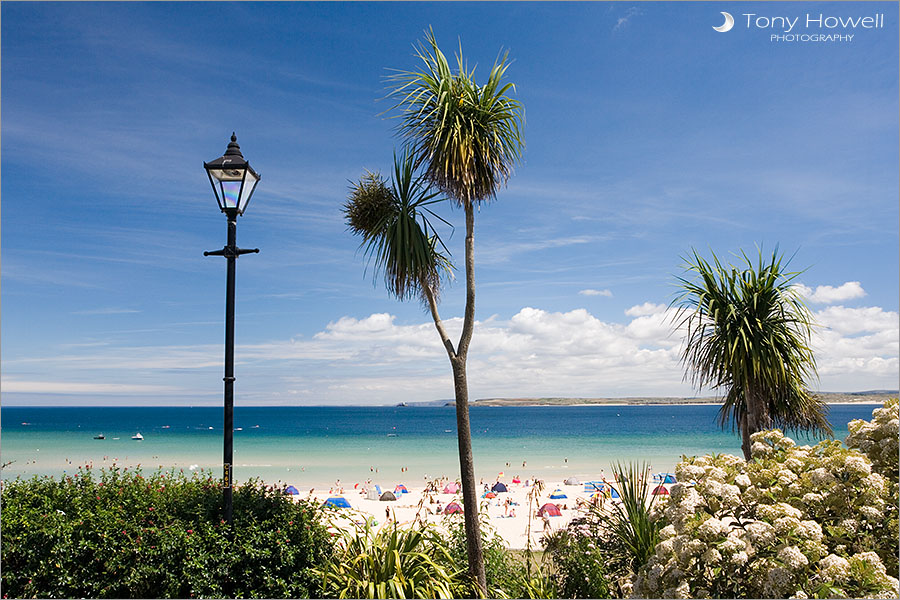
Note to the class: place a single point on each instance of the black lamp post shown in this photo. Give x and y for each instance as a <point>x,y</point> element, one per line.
<point>233,181</point>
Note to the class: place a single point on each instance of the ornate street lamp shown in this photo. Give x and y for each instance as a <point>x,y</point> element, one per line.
<point>233,181</point>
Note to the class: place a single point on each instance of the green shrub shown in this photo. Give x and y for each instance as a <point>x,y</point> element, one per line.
<point>506,576</point>
<point>393,562</point>
<point>579,563</point>
<point>125,535</point>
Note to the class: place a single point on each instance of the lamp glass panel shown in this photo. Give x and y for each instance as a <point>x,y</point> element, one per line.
<point>227,174</point>
<point>231,191</point>
<point>249,186</point>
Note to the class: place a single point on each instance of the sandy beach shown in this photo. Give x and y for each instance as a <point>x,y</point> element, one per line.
<point>508,512</point>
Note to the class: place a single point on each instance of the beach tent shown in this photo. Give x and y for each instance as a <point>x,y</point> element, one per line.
<point>291,491</point>
<point>337,502</point>
<point>401,489</point>
<point>371,494</point>
<point>557,494</point>
<point>452,508</point>
<point>572,481</point>
<point>663,478</point>
<point>489,495</point>
<point>387,496</point>
<point>499,487</point>
<point>660,490</point>
<point>549,509</point>
<point>451,488</point>
<point>606,490</point>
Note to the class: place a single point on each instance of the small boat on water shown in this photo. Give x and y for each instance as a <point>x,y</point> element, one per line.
<point>137,436</point>
<point>100,437</point>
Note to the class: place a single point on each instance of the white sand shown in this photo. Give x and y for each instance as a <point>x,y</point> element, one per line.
<point>511,529</point>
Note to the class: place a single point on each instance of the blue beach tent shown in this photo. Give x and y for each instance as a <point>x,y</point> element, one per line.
<point>663,478</point>
<point>291,491</point>
<point>557,494</point>
<point>499,487</point>
<point>337,502</point>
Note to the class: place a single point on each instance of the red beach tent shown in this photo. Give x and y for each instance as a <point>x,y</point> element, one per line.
<point>550,509</point>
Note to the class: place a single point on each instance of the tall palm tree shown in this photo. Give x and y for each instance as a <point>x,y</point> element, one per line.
<point>466,138</point>
<point>747,334</point>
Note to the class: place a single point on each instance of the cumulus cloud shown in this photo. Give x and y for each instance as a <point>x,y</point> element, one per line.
<point>535,352</point>
<point>647,308</point>
<point>826,294</point>
<point>606,293</point>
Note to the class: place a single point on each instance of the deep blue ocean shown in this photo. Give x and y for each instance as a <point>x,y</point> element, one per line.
<point>315,446</point>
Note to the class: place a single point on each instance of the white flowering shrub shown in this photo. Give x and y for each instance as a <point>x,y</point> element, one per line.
<point>878,439</point>
<point>794,522</point>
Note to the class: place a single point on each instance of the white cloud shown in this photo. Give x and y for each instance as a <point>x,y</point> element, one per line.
<point>826,294</point>
<point>647,308</point>
<point>79,388</point>
<point>606,293</point>
<point>376,360</point>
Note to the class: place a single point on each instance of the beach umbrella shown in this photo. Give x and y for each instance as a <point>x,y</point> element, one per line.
<point>401,489</point>
<point>490,495</point>
<point>377,489</point>
<point>572,481</point>
<point>291,491</point>
<point>452,508</point>
<point>660,490</point>
<point>499,487</point>
<point>337,502</point>
<point>557,494</point>
<point>451,488</point>
<point>549,509</point>
<point>387,496</point>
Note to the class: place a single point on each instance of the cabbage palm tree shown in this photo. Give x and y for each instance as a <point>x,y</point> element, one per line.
<point>465,138</point>
<point>748,335</point>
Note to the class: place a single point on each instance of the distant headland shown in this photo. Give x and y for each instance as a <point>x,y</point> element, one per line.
<point>872,396</point>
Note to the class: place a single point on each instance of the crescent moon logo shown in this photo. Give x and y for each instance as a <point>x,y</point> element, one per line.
<point>727,25</point>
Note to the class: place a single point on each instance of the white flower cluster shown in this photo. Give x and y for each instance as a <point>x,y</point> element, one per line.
<point>792,522</point>
<point>879,439</point>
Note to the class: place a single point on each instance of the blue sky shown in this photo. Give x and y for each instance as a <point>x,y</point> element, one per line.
<point>648,133</point>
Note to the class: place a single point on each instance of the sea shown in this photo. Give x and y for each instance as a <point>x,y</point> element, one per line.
<point>325,447</point>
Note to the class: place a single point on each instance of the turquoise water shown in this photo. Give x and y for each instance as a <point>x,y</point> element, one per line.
<point>314,446</point>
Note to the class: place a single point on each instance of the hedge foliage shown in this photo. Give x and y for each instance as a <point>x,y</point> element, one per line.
<point>126,535</point>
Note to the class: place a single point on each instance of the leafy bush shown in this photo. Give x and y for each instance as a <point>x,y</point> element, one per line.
<point>394,562</point>
<point>579,562</point>
<point>506,577</point>
<point>792,522</point>
<point>597,555</point>
<point>127,535</point>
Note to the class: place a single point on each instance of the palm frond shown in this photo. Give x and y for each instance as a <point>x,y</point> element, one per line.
<point>398,236</point>
<point>465,136</point>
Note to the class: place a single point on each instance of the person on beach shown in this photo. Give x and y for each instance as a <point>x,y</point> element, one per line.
<point>546,520</point>
<point>387,515</point>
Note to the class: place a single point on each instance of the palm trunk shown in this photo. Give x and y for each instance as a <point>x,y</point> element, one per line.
<point>467,476</point>
<point>756,418</point>
<point>745,437</point>
<point>457,357</point>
